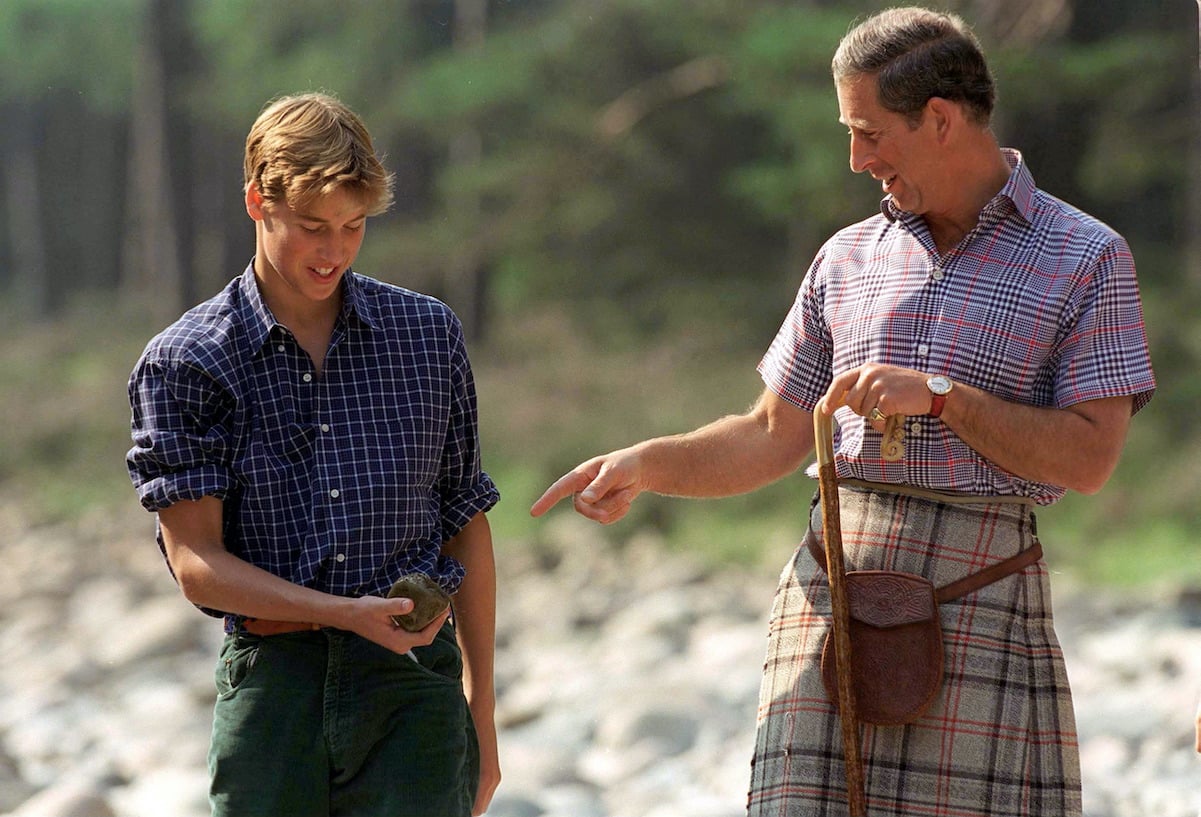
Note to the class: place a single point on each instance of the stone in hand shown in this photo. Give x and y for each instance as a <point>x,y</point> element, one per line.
<point>429,600</point>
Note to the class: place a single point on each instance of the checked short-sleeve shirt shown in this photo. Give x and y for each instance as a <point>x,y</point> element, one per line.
<point>340,481</point>
<point>1038,304</point>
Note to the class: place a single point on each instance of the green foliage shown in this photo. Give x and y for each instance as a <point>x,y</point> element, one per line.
<point>71,46</point>
<point>783,77</point>
<point>1121,96</point>
<point>561,197</point>
<point>1157,552</point>
<point>452,90</point>
<point>257,50</point>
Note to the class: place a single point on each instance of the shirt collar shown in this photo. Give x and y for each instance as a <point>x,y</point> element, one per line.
<point>259,320</point>
<point>357,303</point>
<point>256,317</point>
<point>1017,193</point>
<point>1019,189</point>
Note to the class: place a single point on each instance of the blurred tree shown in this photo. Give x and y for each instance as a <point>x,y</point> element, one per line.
<point>467,280</point>
<point>802,182</point>
<point>1022,23</point>
<point>575,207</point>
<point>159,167</point>
<point>656,165</point>
<point>23,205</point>
<point>64,73</point>
<point>1193,112</point>
<point>257,51</point>
<point>649,168</point>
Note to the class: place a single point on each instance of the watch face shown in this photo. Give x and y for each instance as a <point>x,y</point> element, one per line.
<point>939,384</point>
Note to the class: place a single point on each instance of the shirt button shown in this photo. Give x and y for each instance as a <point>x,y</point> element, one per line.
<point>325,427</point>
<point>280,347</point>
<point>915,429</point>
<point>307,377</point>
<point>936,274</point>
<point>923,349</point>
<point>341,557</point>
<point>335,493</point>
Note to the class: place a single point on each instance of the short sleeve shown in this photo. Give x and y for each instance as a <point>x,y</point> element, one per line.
<point>1105,352</point>
<point>799,363</point>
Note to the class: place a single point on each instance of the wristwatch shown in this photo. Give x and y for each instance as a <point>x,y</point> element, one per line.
<point>940,386</point>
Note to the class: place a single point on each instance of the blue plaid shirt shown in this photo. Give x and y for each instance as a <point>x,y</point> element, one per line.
<point>340,482</point>
<point>1038,304</point>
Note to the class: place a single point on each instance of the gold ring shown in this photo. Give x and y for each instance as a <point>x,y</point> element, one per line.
<point>876,415</point>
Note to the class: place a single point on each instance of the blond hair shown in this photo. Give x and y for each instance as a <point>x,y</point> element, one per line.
<point>305,146</point>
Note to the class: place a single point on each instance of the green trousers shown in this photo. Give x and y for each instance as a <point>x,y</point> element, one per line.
<point>327,724</point>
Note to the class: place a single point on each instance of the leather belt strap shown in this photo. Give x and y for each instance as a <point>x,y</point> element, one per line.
<point>990,574</point>
<point>262,626</point>
<point>949,497</point>
<point>961,587</point>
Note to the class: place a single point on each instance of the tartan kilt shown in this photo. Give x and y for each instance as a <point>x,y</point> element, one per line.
<point>1000,739</point>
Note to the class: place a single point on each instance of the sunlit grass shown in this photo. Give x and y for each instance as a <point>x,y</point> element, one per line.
<point>1157,552</point>
<point>66,415</point>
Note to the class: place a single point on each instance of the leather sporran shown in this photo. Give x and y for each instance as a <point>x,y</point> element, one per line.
<point>896,646</point>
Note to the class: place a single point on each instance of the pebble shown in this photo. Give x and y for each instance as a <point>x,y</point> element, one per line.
<point>627,680</point>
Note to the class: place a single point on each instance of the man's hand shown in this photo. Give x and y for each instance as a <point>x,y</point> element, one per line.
<point>888,389</point>
<point>1076,447</point>
<point>371,617</point>
<point>603,488</point>
<point>732,455</point>
<point>211,576</point>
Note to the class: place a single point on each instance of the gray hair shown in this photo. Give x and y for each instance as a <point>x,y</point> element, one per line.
<point>917,54</point>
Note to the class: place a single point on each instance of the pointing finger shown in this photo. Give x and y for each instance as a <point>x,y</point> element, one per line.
<point>566,485</point>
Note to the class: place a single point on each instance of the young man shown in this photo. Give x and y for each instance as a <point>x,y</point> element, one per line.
<point>307,437</point>
<point>1005,327</point>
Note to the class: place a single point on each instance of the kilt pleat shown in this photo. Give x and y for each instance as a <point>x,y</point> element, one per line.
<point>1000,740</point>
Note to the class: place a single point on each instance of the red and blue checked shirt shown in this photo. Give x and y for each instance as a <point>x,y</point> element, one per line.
<point>340,482</point>
<point>1039,304</point>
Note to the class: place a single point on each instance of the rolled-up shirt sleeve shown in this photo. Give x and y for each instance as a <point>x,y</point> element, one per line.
<point>463,488</point>
<point>180,438</point>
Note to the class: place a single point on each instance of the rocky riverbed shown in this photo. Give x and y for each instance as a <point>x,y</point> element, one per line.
<point>627,687</point>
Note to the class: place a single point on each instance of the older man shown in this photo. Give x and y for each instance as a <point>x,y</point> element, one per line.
<point>1005,327</point>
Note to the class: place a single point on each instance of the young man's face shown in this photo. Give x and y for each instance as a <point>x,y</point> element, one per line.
<point>302,254</point>
<point>886,146</point>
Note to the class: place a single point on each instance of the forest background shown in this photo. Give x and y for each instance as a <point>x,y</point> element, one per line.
<point>619,198</point>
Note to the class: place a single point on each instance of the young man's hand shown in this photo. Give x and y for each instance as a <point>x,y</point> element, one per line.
<point>371,617</point>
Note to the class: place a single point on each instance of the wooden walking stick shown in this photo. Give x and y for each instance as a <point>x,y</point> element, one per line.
<point>823,434</point>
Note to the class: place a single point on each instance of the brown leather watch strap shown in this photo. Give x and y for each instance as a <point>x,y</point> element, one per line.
<point>937,403</point>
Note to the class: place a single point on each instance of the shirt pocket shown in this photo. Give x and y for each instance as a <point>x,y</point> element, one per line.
<point>280,441</point>
<point>289,442</point>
